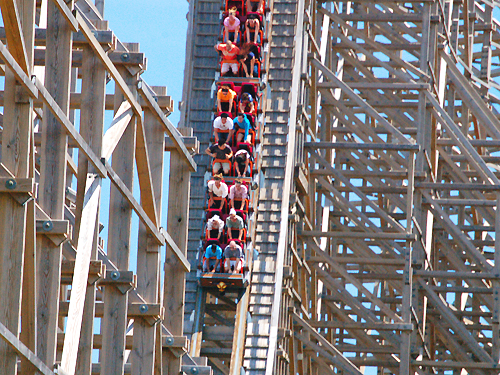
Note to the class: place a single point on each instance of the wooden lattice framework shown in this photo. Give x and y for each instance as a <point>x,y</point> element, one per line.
<point>396,265</point>
<point>68,298</point>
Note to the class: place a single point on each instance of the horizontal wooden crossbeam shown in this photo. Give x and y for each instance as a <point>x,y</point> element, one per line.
<point>362,146</point>
<point>363,235</point>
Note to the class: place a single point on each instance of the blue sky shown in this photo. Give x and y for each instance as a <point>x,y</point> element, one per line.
<point>160,28</point>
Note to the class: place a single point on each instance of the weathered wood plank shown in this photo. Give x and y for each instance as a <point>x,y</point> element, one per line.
<point>116,129</point>
<point>21,349</point>
<point>52,178</point>
<point>144,355</point>
<point>13,31</point>
<point>169,128</point>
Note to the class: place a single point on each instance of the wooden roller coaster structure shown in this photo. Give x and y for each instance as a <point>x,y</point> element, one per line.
<point>373,237</point>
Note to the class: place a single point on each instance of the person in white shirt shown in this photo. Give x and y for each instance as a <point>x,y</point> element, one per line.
<point>216,188</point>
<point>222,124</point>
<point>215,223</point>
<point>239,192</point>
<point>241,162</point>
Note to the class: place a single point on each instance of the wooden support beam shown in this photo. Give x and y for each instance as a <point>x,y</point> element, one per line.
<point>148,200</point>
<point>147,355</point>
<point>351,278</point>
<point>178,253</point>
<point>191,143</point>
<point>114,322</point>
<point>361,146</point>
<point>362,103</point>
<point>89,219</point>
<point>103,36</point>
<point>458,326</point>
<point>70,129</point>
<point>14,33</point>
<point>17,185</point>
<point>22,350</point>
<point>456,186</point>
<point>472,155</point>
<point>96,271</point>
<point>127,194</point>
<point>361,260</point>
<point>16,217</point>
<point>338,175</point>
<point>378,85</point>
<point>361,235</point>
<point>368,326</point>
<point>458,235</point>
<point>336,356</point>
<point>456,275</point>
<point>116,129</point>
<point>18,71</point>
<point>66,12</point>
<point>53,174</point>
<point>457,365</point>
<point>169,128</point>
<point>94,44</point>
<point>175,342</point>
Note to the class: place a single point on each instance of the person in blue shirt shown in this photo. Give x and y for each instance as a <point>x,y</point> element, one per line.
<point>242,122</point>
<point>247,104</point>
<point>212,258</point>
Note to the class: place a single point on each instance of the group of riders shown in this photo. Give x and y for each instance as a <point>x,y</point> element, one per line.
<point>235,130</point>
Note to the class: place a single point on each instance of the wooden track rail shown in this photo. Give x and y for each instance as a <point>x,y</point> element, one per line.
<point>69,302</point>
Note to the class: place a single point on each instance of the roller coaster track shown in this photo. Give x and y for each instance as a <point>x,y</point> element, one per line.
<point>376,223</point>
<point>258,300</point>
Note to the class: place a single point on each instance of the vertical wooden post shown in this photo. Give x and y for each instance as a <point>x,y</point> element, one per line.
<point>495,352</point>
<point>177,226</point>
<point>148,255</point>
<point>53,179</point>
<point>114,321</point>
<point>15,156</point>
<point>91,129</point>
<point>404,365</point>
<point>29,301</point>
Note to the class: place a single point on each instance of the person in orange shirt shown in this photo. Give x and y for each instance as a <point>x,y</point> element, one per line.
<point>229,53</point>
<point>225,99</point>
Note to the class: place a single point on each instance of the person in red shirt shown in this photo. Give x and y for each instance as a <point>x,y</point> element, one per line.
<point>229,53</point>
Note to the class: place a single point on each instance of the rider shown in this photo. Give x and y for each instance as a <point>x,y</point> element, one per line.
<point>212,258</point>
<point>233,254</point>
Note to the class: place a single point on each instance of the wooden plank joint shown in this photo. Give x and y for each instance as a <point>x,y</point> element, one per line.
<point>199,370</point>
<point>97,271</point>
<point>20,189</point>
<point>152,313</point>
<point>58,231</point>
<point>122,280</point>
